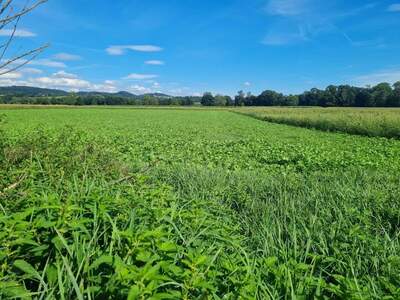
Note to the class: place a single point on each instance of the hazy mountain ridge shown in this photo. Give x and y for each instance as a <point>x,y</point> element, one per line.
<point>30,91</point>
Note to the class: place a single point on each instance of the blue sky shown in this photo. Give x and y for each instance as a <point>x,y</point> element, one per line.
<point>186,47</point>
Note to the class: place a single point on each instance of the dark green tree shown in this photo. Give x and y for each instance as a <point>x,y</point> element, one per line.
<point>208,99</point>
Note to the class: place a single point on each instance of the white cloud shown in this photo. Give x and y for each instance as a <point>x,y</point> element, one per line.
<point>136,76</point>
<point>58,80</point>
<point>108,86</point>
<point>110,82</point>
<point>394,7</point>
<point>287,7</point>
<point>63,74</point>
<point>47,63</point>
<point>73,84</point>
<point>8,82</point>
<point>31,71</point>
<point>121,49</point>
<point>11,75</point>
<point>390,76</point>
<point>138,89</point>
<point>179,91</point>
<point>17,33</point>
<point>247,83</point>
<point>67,56</point>
<point>154,62</point>
<point>37,62</point>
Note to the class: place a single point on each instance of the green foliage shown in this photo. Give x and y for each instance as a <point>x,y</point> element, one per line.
<point>381,95</point>
<point>94,235</point>
<point>194,204</point>
<point>369,122</point>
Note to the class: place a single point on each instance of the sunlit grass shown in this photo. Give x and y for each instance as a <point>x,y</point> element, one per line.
<point>172,204</point>
<point>363,121</point>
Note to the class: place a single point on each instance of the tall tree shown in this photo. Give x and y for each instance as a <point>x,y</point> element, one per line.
<point>394,99</point>
<point>381,94</point>
<point>240,99</point>
<point>208,99</point>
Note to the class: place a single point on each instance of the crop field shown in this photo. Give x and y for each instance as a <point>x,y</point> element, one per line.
<point>362,121</point>
<point>194,204</point>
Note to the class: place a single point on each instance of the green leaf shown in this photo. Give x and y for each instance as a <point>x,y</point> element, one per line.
<point>13,290</point>
<point>168,247</point>
<point>104,259</point>
<point>27,268</point>
<point>134,293</point>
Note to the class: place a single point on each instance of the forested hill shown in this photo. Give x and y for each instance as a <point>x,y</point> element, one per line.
<point>30,91</point>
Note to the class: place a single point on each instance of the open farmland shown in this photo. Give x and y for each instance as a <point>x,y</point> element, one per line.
<point>193,204</point>
<point>362,121</point>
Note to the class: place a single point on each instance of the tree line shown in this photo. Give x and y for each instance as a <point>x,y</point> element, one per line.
<point>381,95</point>
<point>99,100</point>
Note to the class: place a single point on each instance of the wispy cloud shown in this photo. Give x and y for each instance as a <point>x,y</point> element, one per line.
<point>48,63</point>
<point>31,71</point>
<point>298,21</point>
<point>136,76</point>
<point>394,7</point>
<point>17,33</point>
<point>67,56</point>
<point>121,49</point>
<point>61,83</point>
<point>295,22</point>
<point>287,7</point>
<point>390,76</point>
<point>247,83</point>
<point>139,89</point>
<point>154,62</point>
<point>71,82</point>
<point>37,62</point>
<point>63,74</point>
<point>11,75</point>
<point>284,38</point>
<point>373,43</point>
<point>58,80</point>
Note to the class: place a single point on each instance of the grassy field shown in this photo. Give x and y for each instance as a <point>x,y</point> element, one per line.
<point>362,121</point>
<point>193,204</point>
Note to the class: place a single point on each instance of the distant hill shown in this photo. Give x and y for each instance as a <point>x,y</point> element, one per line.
<point>120,94</point>
<point>37,92</point>
<point>158,95</point>
<point>30,91</point>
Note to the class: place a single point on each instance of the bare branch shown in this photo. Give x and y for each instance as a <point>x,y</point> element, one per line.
<point>14,18</point>
<point>10,12</point>
<point>33,53</point>
<point>24,11</point>
<point>5,6</point>
<point>7,45</point>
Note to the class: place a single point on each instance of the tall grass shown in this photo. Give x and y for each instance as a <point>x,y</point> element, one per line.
<point>383,122</point>
<point>194,205</point>
<point>332,235</point>
<point>78,223</point>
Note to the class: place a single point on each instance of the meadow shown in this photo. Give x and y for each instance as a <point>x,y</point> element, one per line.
<point>362,121</point>
<point>193,204</point>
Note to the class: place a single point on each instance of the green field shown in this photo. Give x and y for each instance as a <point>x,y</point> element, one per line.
<point>383,122</point>
<point>193,204</point>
